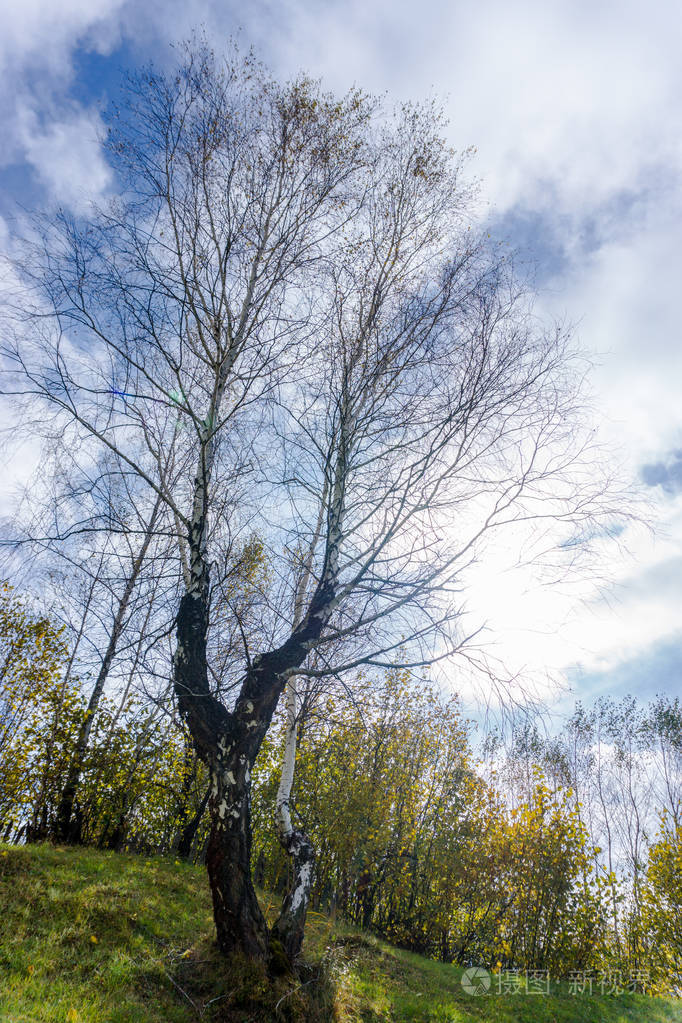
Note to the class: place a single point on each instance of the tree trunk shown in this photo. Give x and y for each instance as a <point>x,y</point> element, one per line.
<point>229,741</point>
<point>229,748</point>
<point>68,825</point>
<point>189,831</point>
<point>286,939</point>
<point>240,924</point>
<point>40,801</point>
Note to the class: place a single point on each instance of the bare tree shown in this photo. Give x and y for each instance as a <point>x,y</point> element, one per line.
<point>66,825</point>
<point>96,558</point>
<point>287,295</point>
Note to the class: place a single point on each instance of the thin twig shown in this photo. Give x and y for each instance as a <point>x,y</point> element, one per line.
<point>293,991</point>
<point>183,992</point>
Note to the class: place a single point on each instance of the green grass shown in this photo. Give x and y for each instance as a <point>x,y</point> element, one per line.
<point>90,937</point>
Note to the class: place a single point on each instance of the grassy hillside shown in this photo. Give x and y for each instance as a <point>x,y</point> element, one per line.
<point>88,937</point>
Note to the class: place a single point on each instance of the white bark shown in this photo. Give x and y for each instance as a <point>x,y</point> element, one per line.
<point>283,813</point>
<point>286,782</point>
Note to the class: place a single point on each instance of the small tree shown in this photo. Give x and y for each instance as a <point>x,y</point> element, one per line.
<point>663,905</point>
<point>287,296</point>
<point>39,709</point>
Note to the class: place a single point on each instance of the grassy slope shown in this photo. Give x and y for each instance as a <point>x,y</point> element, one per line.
<point>88,937</point>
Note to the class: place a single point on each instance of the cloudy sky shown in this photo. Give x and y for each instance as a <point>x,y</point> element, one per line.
<point>575,110</point>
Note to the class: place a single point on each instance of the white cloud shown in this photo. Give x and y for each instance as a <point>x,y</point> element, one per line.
<point>576,110</point>
<point>627,292</point>
<point>563,94</point>
<point>41,125</point>
<point>41,35</point>
<point>66,155</point>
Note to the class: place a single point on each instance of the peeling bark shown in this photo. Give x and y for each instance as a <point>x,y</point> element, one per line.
<point>240,924</point>
<point>286,939</point>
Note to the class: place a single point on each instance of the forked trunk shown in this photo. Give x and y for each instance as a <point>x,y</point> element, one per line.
<point>228,749</point>
<point>228,742</point>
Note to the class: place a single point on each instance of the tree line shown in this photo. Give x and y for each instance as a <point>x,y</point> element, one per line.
<point>528,850</point>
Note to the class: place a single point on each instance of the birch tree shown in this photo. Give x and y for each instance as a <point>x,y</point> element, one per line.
<point>95,558</point>
<point>287,294</point>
